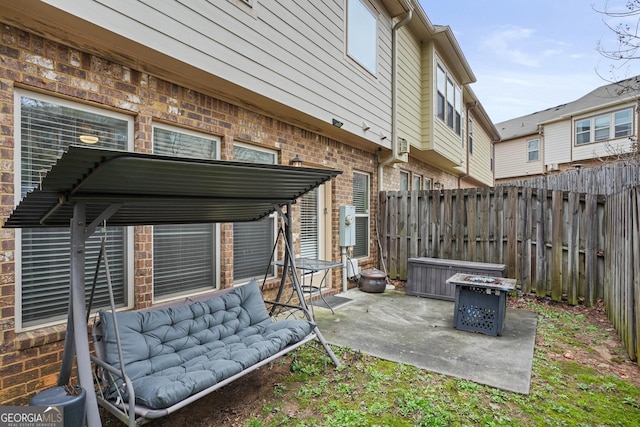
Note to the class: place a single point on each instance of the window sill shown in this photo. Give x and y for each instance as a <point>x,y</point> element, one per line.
<point>40,337</point>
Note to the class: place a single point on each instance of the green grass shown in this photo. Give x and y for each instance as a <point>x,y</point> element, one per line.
<point>368,391</point>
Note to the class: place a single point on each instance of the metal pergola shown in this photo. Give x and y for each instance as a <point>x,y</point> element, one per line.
<point>88,187</point>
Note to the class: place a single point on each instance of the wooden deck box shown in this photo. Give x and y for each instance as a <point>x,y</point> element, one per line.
<point>426,277</point>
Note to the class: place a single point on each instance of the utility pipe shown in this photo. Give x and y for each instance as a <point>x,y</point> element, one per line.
<point>345,270</point>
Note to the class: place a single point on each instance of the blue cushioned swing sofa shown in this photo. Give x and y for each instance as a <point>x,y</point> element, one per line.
<point>176,353</point>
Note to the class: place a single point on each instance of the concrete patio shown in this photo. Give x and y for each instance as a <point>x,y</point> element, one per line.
<point>419,332</point>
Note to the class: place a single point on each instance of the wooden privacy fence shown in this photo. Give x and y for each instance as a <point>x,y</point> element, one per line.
<point>622,281</point>
<point>608,178</point>
<point>566,245</point>
<point>552,242</point>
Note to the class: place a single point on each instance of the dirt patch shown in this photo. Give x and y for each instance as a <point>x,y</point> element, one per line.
<point>608,357</point>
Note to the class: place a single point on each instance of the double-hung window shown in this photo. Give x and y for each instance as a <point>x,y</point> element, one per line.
<point>310,225</point>
<point>404,181</point>
<point>47,127</point>
<point>623,123</point>
<point>451,100</point>
<point>470,124</point>
<point>602,128</point>
<point>441,83</point>
<point>583,131</point>
<point>533,150</point>
<point>417,182</point>
<point>360,195</point>
<point>448,100</point>
<point>362,34</point>
<point>184,255</point>
<point>253,241</point>
<point>617,124</point>
<point>458,114</point>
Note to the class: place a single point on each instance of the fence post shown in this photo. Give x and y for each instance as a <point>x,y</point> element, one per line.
<point>573,246</point>
<point>557,212</point>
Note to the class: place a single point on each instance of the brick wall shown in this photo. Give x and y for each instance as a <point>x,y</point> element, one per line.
<point>29,361</point>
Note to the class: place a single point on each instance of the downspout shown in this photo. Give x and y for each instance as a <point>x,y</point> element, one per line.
<point>393,159</point>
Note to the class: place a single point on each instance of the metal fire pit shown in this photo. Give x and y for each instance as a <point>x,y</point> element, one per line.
<point>480,302</point>
<point>373,280</point>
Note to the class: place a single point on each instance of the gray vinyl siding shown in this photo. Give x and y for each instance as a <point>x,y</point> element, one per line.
<point>511,158</point>
<point>291,52</point>
<point>557,143</point>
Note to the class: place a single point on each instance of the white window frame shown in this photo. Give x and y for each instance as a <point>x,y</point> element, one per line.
<point>319,221</point>
<point>451,103</point>
<point>128,231</point>
<point>441,91</point>
<point>320,234</point>
<point>531,151</point>
<point>449,93</point>
<point>366,214</point>
<point>470,132</point>
<point>417,182</point>
<point>616,124</point>
<point>457,121</point>
<point>405,179</point>
<point>273,216</point>
<point>216,227</point>
<point>428,184</point>
<point>594,127</point>
<point>361,16</point>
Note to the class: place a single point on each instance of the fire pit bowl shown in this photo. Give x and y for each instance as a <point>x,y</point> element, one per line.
<point>373,280</point>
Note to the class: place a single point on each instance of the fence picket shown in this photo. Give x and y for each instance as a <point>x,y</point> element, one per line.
<point>472,221</point>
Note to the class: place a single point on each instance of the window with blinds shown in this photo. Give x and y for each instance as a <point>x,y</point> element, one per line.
<point>253,241</point>
<point>47,127</point>
<point>309,225</point>
<point>361,202</point>
<point>184,255</point>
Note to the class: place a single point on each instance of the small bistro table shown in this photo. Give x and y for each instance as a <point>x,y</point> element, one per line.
<point>480,302</point>
<point>309,267</point>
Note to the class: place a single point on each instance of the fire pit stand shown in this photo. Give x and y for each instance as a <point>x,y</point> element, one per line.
<point>480,302</point>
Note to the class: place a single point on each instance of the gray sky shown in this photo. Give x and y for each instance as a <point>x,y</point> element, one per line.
<point>531,55</point>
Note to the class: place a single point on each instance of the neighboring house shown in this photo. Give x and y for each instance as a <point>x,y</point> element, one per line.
<point>356,85</point>
<point>601,125</point>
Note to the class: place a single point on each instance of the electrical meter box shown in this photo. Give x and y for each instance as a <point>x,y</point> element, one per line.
<point>347,226</point>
